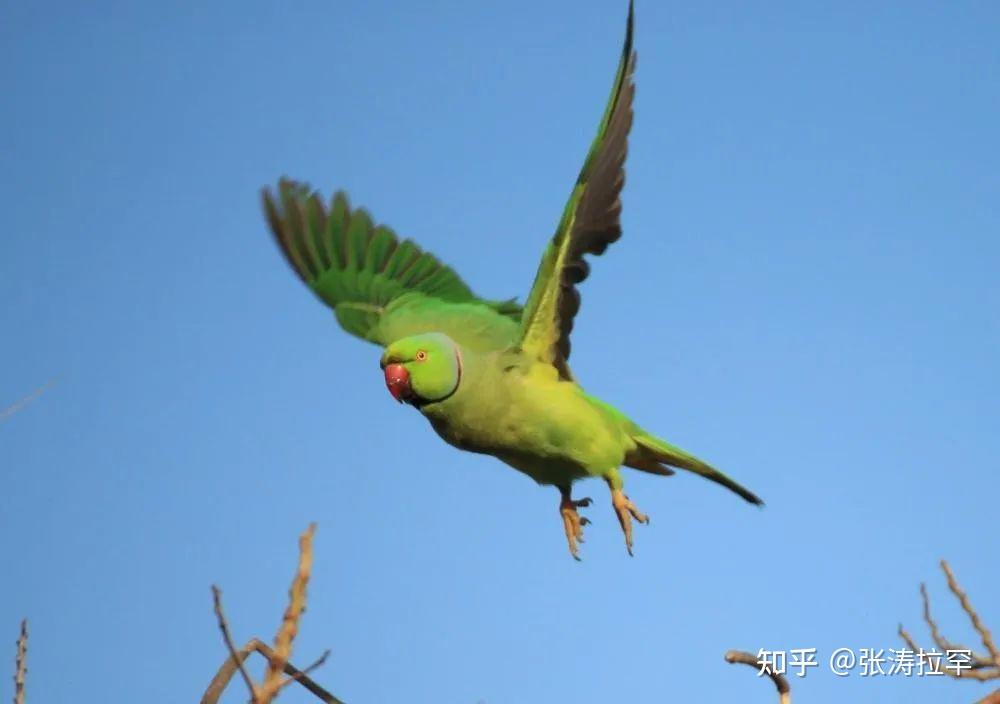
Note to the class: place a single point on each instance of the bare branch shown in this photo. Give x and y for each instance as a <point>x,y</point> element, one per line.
<point>977,661</point>
<point>941,642</point>
<point>908,639</point>
<point>228,669</point>
<point>278,658</point>
<point>233,655</point>
<point>296,676</point>
<point>290,623</point>
<point>963,599</point>
<point>979,667</point>
<point>21,663</point>
<point>21,403</point>
<point>301,677</point>
<point>993,698</point>
<point>780,683</point>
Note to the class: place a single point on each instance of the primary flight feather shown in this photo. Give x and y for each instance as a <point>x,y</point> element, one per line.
<point>490,376</point>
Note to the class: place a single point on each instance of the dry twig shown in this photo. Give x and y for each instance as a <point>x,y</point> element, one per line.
<point>278,657</point>
<point>290,623</point>
<point>13,408</point>
<point>234,656</point>
<point>21,663</point>
<point>296,676</point>
<point>979,667</point>
<point>963,599</point>
<point>229,667</point>
<point>780,683</point>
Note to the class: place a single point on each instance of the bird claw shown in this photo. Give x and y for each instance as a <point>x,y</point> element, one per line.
<point>626,511</point>
<point>573,523</point>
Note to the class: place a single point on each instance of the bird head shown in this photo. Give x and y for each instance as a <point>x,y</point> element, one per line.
<point>422,369</point>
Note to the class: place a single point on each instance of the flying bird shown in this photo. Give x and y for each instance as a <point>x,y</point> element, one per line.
<point>492,377</point>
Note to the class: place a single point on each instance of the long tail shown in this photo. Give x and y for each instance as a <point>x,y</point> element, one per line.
<point>652,453</point>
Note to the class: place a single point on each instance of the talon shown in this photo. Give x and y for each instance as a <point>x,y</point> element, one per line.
<point>626,511</point>
<point>573,523</point>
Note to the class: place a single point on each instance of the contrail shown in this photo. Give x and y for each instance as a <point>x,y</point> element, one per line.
<point>18,405</point>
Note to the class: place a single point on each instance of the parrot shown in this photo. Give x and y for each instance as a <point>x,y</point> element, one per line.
<point>492,376</point>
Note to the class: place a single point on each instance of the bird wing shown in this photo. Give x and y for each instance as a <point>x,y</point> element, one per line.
<point>590,222</point>
<point>380,288</point>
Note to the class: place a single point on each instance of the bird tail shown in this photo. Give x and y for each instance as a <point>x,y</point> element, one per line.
<point>651,454</point>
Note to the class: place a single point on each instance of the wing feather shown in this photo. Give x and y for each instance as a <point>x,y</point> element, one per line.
<point>590,223</point>
<point>363,270</point>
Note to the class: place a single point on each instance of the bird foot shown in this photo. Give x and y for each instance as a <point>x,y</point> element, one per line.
<point>573,522</point>
<point>626,511</point>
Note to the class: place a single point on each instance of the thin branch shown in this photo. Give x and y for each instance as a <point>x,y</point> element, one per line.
<point>228,669</point>
<point>979,667</point>
<point>233,655</point>
<point>993,698</point>
<point>302,678</point>
<point>908,639</point>
<point>296,676</point>
<point>977,661</point>
<point>941,642</point>
<point>225,674</point>
<point>290,623</point>
<point>981,629</point>
<point>21,403</point>
<point>21,663</point>
<point>278,658</point>
<point>780,683</point>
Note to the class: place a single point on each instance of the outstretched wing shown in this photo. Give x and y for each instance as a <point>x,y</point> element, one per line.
<point>380,289</point>
<point>589,224</point>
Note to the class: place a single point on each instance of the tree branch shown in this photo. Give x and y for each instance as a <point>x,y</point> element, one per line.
<point>982,630</point>
<point>780,683</point>
<point>24,401</point>
<point>290,623</point>
<point>21,663</point>
<point>234,656</point>
<point>278,658</point>
<point>980,668</point>
<point>297,676</point>
<point>228,669</point>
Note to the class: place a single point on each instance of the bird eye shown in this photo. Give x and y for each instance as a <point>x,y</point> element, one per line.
<point>421,355</point>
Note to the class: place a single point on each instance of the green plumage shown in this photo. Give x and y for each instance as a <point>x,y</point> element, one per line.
<point>380,289</point>
<point>490,377</point>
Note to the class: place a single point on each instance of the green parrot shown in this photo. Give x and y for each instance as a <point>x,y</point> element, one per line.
<point>490,376</point>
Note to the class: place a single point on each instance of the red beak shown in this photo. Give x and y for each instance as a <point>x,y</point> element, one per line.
<point>397,380</point>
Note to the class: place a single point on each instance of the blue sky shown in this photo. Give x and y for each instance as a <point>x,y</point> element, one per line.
<point>805,295</point>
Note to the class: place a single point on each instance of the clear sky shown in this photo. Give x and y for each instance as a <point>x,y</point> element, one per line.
<point>806,295</point>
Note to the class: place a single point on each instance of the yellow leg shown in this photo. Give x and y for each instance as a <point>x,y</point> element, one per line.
<point>573,522</point>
